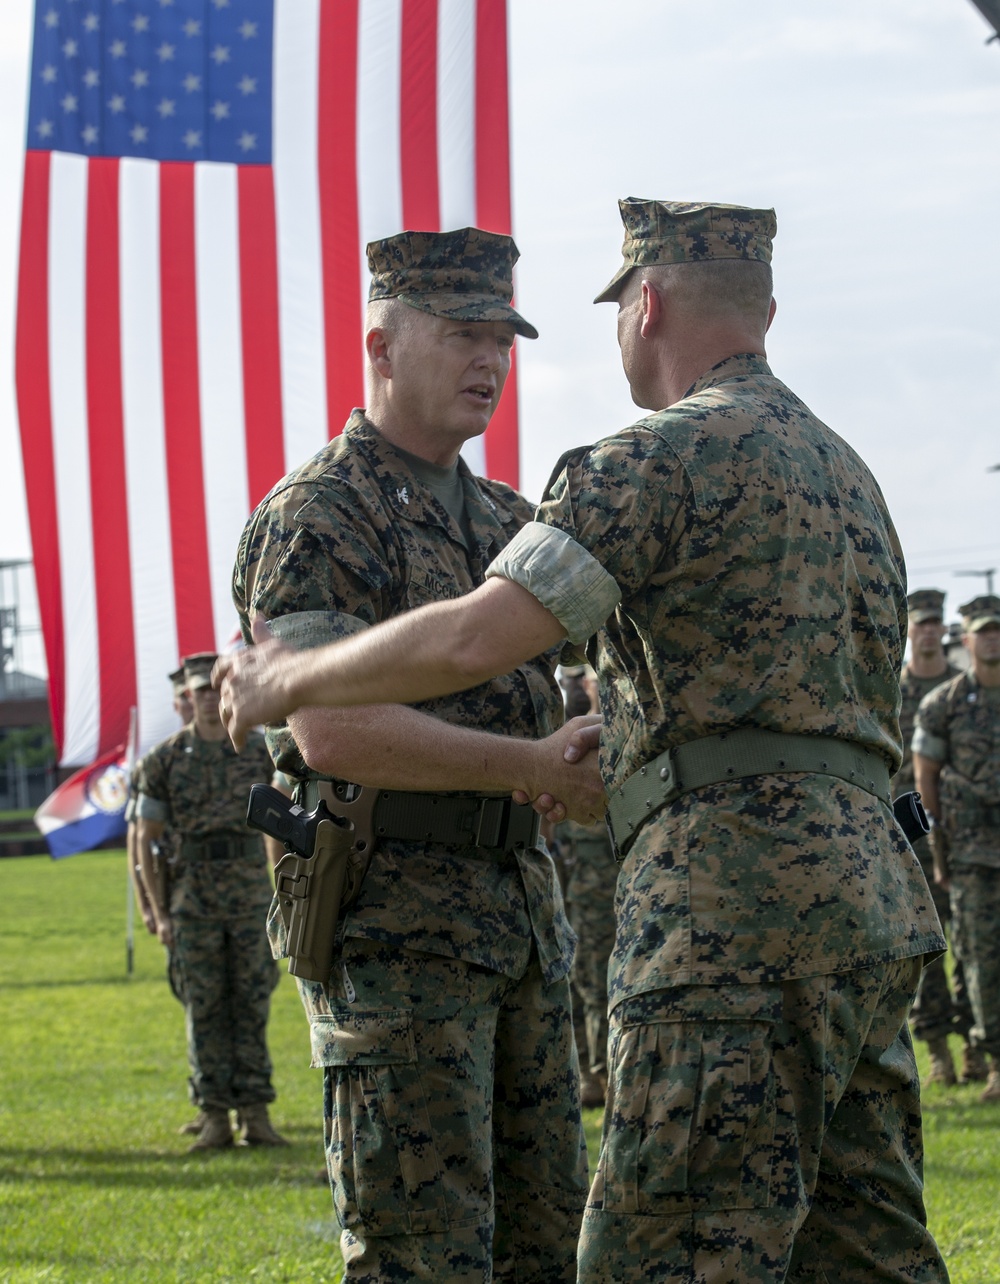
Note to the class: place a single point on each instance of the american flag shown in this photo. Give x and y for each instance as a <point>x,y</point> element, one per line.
<point>201,179</point>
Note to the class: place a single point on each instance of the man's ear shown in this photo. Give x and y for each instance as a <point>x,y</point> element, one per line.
<point>770,314</point>
<point>652,309</point>
<point>377,347</point>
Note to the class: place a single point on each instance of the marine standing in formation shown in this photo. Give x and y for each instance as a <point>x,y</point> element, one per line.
<point>452,1112</point>
<point>738,565</point>
<point>956,754</point>
<point>213,927</point>
<point>590,874</point>
<point>184,710</point>
<point>937,1012</point>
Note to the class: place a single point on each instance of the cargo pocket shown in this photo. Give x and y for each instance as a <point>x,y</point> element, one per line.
<point>690,1120</point>
<point>387,1173</point>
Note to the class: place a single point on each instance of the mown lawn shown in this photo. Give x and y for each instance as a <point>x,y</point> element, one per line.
<point>96,1184</point>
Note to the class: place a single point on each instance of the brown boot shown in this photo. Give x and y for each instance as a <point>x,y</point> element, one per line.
<point>216,1133</point>
<point>256,1128</point>
<point>974,1067</point>
<point>942,1067</point>
<point>992,1090</point>
<point>593,1088</point>
<point>193,1126</point>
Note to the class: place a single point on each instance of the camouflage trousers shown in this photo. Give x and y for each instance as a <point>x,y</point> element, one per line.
<point>937,1010</point>
<point>975,904</point>
<point>452,1115</point>
<point>224,974</point>
<point>763,1133</point>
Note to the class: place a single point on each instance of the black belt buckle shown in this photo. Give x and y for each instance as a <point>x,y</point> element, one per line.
<point>505,824</point>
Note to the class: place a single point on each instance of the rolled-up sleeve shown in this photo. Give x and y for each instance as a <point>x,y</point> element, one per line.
<point>567,579</point>
<point>929,745</point>
<point>147,808</point>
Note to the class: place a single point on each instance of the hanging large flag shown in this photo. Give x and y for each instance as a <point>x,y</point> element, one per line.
<point>88,809</point>
<point>202,177</point>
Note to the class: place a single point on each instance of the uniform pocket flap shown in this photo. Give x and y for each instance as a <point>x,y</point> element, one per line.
<point>362,1039</point>
<point>704,1003</point>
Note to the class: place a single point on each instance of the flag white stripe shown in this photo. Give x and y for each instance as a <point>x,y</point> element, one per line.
<point>220,373</point>
<point>154,617</point>
<point>297,210</point>
<point>380,183</point>
<point>456,112</point>
<point>68,383</point>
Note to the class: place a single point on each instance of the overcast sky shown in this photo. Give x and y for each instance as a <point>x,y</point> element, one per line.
<point>871,126</point>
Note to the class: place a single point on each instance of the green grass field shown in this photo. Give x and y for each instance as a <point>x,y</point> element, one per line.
<point>96,1185</point>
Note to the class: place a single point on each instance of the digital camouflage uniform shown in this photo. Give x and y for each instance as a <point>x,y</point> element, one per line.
<point>220,963</point>
<point>451,1097</point>
<point>763,1118</point>
<point>936,1013</point>
<point>958,725</point>
<point>591,874</point>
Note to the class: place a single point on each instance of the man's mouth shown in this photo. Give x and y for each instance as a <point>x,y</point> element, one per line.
<point>483,392</point>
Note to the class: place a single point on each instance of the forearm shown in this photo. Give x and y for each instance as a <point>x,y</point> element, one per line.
<point>435,650</point>
<point>149,832</point>
<point>927,775</point>
<point>397,747</point>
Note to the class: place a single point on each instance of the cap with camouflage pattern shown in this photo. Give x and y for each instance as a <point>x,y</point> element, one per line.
<point>980,612</point>
<point>198,670</point>
<point>924,605</point>
<point>661,232</point>
<point>177,680</point>
<point>467,275</point>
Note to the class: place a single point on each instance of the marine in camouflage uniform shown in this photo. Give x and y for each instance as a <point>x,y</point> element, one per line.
<point>763,1116</point>
<point>214,928</point>
<point>452,1111</point>
<point>588,874</point>
<point>182,707</point>
<point>936,1013</point>
<point>956,748</point>
<point>591,876</point>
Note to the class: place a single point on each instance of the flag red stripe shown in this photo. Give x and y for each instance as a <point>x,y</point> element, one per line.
<point>31,367</point>
<point>493,203</point>
<point>492,129</point>
<point>105,427</point>
<point>259,323</point>
<point>418,155</point>
<point>338,198</point>
<point>182,412</point>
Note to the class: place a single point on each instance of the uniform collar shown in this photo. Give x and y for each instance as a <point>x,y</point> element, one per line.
<point>744,365</point>
<point>410,498</point>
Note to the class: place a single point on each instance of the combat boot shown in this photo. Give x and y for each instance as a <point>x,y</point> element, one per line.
<point>942,1067</point>
<point>193,1126</point>
<point>216,1133</point>
<point>256,1128</point>
<point>992,1090</point>
<point>974,1067</point>
<point>593,1088</point>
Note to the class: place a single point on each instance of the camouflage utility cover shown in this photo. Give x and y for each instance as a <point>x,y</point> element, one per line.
<point>958,725</point>
<point>663,232</point>
<point>912,690</point>
<point>466,275</point>
<point>351,538</point>
<point>759,569</point>
<point>925,604</point>
<point>199,789</point>
<point>980,611</point>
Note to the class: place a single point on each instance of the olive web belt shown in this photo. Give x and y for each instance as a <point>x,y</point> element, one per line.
<point>748,751</point>
<point>479,821</point>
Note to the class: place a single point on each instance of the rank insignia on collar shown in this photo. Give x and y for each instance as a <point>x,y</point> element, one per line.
<point>402,497</point>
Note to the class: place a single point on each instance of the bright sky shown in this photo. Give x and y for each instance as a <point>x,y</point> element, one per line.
<point>872,130</point>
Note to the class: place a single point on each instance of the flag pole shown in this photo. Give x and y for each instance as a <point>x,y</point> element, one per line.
<point>133,723</point>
